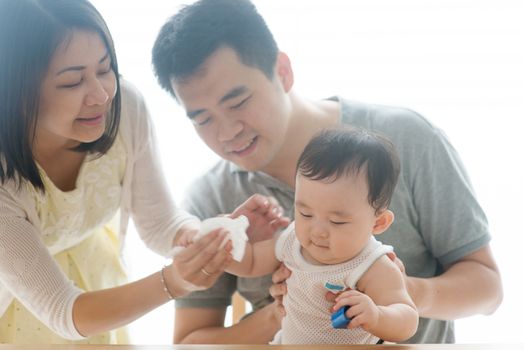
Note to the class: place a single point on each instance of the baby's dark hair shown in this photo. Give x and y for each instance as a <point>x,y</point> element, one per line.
<point>347,151</point>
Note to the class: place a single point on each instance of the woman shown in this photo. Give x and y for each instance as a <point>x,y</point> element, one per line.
<point>77,152</point>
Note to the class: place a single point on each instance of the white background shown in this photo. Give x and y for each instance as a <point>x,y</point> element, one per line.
<point>460,63</point>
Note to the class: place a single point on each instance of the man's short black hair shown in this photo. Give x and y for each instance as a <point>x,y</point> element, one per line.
<point>198,30</point>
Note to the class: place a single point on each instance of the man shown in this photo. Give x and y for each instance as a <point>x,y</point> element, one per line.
<point>220,61</point>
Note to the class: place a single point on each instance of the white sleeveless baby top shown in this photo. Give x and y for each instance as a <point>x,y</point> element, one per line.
<point>307,319</point>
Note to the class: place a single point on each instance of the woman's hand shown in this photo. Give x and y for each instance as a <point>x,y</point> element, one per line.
<point>199,265</point>
<point>185,235</point>
<point>265,217</point>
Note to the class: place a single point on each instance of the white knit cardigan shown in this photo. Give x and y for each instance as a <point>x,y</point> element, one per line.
<point>27,269</point>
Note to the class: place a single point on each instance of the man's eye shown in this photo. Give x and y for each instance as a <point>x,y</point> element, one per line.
<point>202,121</point>
<point>241,103</point>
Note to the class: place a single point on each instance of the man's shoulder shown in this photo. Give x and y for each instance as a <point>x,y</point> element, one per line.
<point>403,126</point>
<point>378,115</point>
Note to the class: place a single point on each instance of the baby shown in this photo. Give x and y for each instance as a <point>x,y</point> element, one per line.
<point>344,182</point>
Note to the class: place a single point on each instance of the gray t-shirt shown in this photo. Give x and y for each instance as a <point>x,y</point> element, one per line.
<point>437,217</point>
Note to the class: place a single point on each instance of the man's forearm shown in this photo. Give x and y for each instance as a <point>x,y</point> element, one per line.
<point>466,288</point>
<point>259,328</point>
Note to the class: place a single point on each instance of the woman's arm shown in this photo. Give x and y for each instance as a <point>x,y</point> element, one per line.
<point>99,311</point>
<point>29,272</point>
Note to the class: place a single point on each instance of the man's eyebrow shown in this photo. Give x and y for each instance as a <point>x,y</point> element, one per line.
<point>239,90</point>
<point>77,68</point>
<point>193,114</point>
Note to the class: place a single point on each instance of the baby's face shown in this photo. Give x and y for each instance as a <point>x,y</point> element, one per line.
<point>333,220</point>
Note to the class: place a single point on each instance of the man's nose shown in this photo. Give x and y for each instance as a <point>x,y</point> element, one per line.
<point>229,129</point>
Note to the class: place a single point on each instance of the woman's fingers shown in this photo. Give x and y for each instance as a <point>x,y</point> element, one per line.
<point>201,252</point>
<point>218,262</point>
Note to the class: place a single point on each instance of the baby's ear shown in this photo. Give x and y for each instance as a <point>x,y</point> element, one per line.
<point>383,220</point>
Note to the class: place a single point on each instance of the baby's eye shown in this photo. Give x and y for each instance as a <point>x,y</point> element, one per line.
<point>305,215</point>
<point>339,222</point>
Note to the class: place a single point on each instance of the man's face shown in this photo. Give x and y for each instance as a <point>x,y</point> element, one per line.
<point>238,112</point>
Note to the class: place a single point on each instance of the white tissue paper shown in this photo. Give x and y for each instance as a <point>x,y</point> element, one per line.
<point>237,234</point>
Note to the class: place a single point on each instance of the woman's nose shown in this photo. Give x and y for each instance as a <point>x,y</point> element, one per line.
<point>97,94</point>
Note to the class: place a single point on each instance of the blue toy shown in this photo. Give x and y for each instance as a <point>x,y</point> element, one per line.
<point>339,319</point>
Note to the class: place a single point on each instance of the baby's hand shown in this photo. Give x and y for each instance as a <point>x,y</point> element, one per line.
<point>362,310</point>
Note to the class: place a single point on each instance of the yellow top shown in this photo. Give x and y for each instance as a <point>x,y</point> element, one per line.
<point>79,228</point>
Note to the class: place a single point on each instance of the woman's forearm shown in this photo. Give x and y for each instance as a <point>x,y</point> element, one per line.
<point>100,311</point>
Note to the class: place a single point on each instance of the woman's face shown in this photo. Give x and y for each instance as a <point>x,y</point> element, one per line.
<point>76,93</point>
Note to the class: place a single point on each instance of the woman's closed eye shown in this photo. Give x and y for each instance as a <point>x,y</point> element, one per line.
<point>70,85</point>
<point>105,71</point>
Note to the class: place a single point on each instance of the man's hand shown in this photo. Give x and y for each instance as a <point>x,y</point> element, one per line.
<point>279,288</point>
<point>265,217</point>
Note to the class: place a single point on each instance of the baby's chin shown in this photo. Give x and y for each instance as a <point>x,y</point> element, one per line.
<point>324,258</point>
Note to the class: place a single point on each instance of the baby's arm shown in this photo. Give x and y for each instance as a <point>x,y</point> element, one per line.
<point>259,260</point>
<point>382,306</point>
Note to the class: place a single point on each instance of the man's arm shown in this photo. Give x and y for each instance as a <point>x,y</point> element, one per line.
<point>205,326</point>
<point>470,286</point>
